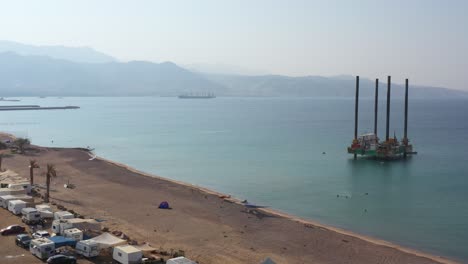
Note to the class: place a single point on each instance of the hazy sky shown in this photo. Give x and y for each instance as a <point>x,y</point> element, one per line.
<point>424,40</point>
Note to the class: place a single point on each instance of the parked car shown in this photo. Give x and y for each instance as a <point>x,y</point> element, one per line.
<point>40,234</point>
<point>61,259</point>
<point>23,240</point>
<point>13,229</point>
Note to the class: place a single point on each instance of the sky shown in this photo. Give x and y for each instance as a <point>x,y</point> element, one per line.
<point>423,40</point>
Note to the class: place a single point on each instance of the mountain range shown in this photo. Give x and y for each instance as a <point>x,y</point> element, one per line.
<point>63,71</point>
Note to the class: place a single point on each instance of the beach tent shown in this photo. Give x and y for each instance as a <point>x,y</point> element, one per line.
<point>164,205</point>
<point>107,240</point>
<point>268,261</point>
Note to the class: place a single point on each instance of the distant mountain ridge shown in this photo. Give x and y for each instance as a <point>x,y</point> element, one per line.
<point>319,86</point>
<point>45,76</point>
<point>27,70</point>
<point>77,54</point>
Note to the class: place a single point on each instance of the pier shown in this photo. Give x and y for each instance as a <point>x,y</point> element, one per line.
<point>34,107</point>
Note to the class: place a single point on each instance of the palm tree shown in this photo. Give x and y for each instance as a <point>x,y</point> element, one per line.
<point>51,173</point>
<point>32,165</point>
<point>21,143</point>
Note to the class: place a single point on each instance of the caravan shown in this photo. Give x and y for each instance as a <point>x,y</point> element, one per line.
<point>45,210</point>
<point>31,216</point>
<point>73,233</point>
<point>6,198</point>
<point>21,186</point>
<point>15,206</point>
<point>127,255</point>
<point>42,248</point>
<point>58,226</point>
<point>62,215</point>
<point>11,191</point>
<point>88,248</point>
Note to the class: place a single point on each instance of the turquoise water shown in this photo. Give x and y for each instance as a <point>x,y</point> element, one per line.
<point>269,151</point>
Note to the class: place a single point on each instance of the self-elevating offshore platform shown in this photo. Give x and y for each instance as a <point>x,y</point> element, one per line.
<point>368,145</point>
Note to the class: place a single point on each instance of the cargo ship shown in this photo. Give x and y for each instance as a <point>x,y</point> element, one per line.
<point>197,96</point>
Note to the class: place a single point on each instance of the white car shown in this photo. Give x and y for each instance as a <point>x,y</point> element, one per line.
<point>40,234</point>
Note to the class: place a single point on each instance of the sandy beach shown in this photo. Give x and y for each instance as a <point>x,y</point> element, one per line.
<point>207,226</point>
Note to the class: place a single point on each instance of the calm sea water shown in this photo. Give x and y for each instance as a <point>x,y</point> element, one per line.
<point>270,151</point>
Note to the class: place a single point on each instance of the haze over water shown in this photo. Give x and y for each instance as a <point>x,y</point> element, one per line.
<point>270,151</point>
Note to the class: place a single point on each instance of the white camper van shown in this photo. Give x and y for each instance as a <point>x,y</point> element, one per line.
<point>61,215</point>
<point>21,185</point>
<point>73,233</point>
<point>6,198</point>
<point>58,226</point>
<point>42,248</point>
<point>88,248</point>
<point>127,255</point>
<point>180,260</point>
<point>31,216</point>
<point>15,206</point>
<point>45,211</point>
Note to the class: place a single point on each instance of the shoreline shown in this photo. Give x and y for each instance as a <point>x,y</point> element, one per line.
<point>325,232</point>
<point>373,240</point>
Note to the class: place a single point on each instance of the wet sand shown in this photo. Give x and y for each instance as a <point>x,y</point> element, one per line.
<point>210,229</point>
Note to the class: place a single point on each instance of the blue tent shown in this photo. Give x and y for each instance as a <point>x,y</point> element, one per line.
<point>61,241</point>
<point>164,205</point>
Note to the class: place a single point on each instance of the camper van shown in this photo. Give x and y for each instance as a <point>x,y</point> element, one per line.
<point>42,248</point>
<point>6,198</point>
<point>62,215</point>
<point>21,185</point>
<point>58,226</point>
<point>88,248</point>
<point>31,216</point>
<point>15,206</point>
<point>73,233</point>
<point>127,254</point>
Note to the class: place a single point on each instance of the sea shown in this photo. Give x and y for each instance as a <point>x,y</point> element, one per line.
<point>286,153</point>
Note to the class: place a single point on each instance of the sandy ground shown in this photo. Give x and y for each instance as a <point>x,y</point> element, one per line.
<point>208,228</point>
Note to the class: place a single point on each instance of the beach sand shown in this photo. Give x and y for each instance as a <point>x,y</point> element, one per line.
<point>208,228</point>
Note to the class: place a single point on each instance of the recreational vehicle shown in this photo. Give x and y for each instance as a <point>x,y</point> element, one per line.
<point>11,191</point>
<point>15,206</point>
<point>21,186</point>
<point>42,248</point>
<point>58,226</point>
<point>127,255</point>
<point>31,216</point>
<point>6,198</point>
<point>62,215</point>
<point>88,248</point>
<point>73,233</point>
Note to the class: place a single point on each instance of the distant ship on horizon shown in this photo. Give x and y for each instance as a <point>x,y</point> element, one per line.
<point>8,100</point>
<point>197,96</point>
